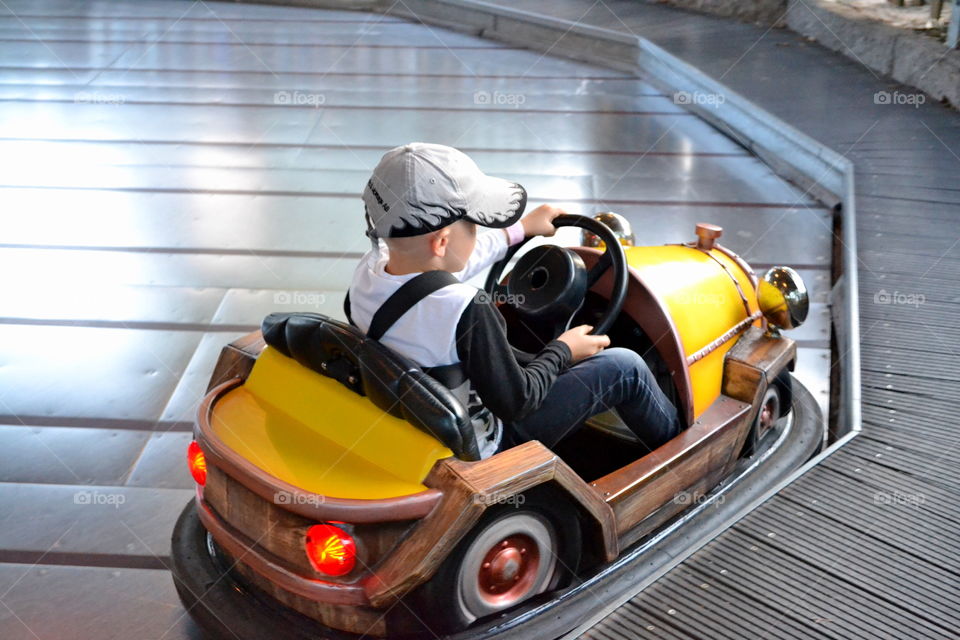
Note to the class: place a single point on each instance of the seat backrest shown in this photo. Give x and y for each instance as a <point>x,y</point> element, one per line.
<point>392,382</point>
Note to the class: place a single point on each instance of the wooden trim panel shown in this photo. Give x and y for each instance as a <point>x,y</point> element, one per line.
<point>366,622</point>
<point>703,450</point>
<point>308,504</point>
<point>237,358</point>
<point>646,493</point>
<point>753,361</point>
<point>281,533</point>
<point>495,482</point>
<point>469,488</point>
<point>242,549</point>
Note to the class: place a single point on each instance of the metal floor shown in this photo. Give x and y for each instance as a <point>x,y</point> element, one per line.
<point>173,171</point>
<point>864,545</point>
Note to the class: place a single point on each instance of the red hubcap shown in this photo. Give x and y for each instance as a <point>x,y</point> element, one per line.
<point>509,569</point>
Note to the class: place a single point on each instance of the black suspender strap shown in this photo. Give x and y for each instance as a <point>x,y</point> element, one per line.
<point>410,293</point>
<point>449,375</point>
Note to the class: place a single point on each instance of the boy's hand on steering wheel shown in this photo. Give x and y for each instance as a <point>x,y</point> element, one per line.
<point>539,222</point>
<point>583,345</point>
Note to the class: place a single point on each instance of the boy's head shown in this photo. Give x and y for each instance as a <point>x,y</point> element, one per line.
<point>448,248</point>
<point>420,188</point>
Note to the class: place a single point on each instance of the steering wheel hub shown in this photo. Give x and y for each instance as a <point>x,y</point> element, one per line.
<point>548,281</point>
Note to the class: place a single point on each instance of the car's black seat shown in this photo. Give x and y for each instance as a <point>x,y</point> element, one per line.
<point>365,366</point>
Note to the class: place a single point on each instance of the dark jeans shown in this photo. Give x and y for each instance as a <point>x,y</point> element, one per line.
<point>615,377</point>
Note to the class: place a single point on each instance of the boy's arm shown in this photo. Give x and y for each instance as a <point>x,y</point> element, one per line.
<point>491,246</point>
<point>523,358</point>
<point>509,390</point>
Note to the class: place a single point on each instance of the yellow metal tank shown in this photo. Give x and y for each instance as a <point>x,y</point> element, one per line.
<point>699,287</point>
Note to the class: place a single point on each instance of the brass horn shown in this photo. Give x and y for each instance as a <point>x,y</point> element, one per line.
<point>617,223</point>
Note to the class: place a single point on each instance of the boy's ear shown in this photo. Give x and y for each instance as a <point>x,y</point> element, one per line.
<point>438,242</point>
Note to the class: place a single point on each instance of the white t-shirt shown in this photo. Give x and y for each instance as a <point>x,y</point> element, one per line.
<point>426,333</point>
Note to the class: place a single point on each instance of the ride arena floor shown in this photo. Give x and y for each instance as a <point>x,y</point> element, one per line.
<point>174,171</point>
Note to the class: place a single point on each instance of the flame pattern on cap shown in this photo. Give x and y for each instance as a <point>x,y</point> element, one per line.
<point>517,201</point>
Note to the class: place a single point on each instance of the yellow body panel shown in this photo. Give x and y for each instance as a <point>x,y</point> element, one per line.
<point>308,430</point>
<point>703,301</point>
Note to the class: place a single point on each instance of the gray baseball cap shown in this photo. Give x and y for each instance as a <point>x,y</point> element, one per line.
<point>421,187</point>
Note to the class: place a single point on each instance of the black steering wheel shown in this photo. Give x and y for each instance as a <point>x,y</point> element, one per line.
<point>549,283</point>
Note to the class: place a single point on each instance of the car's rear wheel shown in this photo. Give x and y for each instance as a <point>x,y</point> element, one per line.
<point>513,554</point>
<point>513,558</point>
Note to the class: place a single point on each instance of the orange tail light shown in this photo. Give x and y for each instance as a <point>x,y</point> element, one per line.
<point>331,550</point>
<point>197,463</point>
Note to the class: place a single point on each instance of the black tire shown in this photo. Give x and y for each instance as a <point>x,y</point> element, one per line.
<point>784,382</point>
<point>219,603</point>
<point>782,390</point>
<point>450,602</point>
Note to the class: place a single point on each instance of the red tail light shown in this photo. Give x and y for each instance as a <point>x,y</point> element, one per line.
<point>197,463</point>
<point>331,550</point>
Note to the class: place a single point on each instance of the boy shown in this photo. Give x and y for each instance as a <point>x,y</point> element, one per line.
<point>423,204</point>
